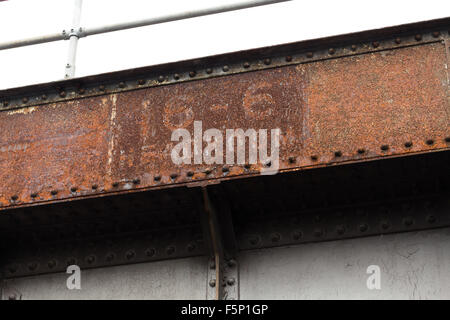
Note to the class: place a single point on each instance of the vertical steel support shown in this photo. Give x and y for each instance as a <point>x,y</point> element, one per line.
<point>223,271</point>
<point>73,40</point>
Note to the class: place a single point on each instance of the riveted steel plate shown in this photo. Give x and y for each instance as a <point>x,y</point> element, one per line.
<point>359,107</point>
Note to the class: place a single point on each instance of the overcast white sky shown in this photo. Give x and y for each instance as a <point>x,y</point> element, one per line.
<point>250,28</point>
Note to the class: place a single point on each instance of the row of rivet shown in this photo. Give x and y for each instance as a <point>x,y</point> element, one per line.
<point>110,257</point>
<point>225,69</point>
<point>225,169</point>
<point>340,230</point>
<point>361,151</point>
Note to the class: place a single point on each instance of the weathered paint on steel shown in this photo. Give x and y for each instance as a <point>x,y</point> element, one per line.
<point>346,109</point>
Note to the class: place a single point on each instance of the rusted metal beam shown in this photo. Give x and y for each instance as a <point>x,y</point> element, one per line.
<point>378,94</point>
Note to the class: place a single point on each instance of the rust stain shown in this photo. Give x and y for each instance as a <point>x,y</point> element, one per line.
<point>346,109</point>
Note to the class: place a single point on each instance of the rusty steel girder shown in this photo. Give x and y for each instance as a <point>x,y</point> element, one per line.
<point>352,98</point>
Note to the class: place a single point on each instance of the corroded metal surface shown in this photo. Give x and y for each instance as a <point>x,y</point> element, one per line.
<point>351,108</point>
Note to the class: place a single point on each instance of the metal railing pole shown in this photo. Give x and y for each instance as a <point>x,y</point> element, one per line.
<point>179,16</point>
<point>73,40</point>
<point>146,22</point>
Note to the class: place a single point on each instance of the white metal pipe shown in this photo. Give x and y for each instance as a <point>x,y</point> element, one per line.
<point>73,38</point>
<point>179,16</point>
<point>32,41</point>
<point>140,23</point>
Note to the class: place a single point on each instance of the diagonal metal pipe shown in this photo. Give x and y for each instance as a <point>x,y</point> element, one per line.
<point>135,24</point>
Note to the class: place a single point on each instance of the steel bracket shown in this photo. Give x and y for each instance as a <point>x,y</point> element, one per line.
<point>223,269</point>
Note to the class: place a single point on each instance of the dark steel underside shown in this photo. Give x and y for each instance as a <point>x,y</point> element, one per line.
<point>337,202</point>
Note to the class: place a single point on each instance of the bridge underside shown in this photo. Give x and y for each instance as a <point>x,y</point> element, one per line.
<point>87,177</point>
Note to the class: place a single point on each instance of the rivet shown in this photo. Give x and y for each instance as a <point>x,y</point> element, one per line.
<point>338,154</point>
<point>190,247</point>
<point>254,240</point>
<point>25,100</point>
<point>161,78</point>
<point>54,192</point>
<point>44,97</point>
<point>318,232</point>
<point>231,281</point>
<point>32,266</point>
<point>115,184</point>
<point>430,142</point>
<point>14,198</point>
<point>225,169</point>
<point>408,221</point>
<point>309,54</point>
<point>73,189</point>
<point>246,65</point>
<point>436,34</point>
<point>384,147</point>
<point>190,173</point>
<point>176,76</point>
<point>297,235</point>
<point>212,283</point>
<point>288,58</point>
<point>209,70</point>
<point>34,195</point>
<point>375,44</point>
<point>247,166</point>
<point>231,263</point>
<point>363,227</point>
<point>101,88</point>
<point>130,255</point>
<point>385,225</point>
<point>275,237</point>
<point>354,47</point>
<point>121,84</point>
<point>51,264</point>
<point>173,175</point>
<point>431,218</point>
<point>361,151</point>
<point>110,257</point>
<point>141,82</point>
<point>418,37</point>
<point>292,160</point>
<point>268,164</point>
<point>150,252</point>
<point>398,40</point>
<point>12,269</point>
<point>331,51</point>
<point>81,90</point>
<point>62,94</point>
<point>314,158</point>
<point>94,187</point>
<point>207,171</point>
<point>157,178</point>
<point>170,250</point>
<point>408,144</point>
<point>90,259</point>
<point>192,74</point>
<point>267,61</point>
<point>136,181</point>
<point>340,229</point>
<point>226,68</point>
